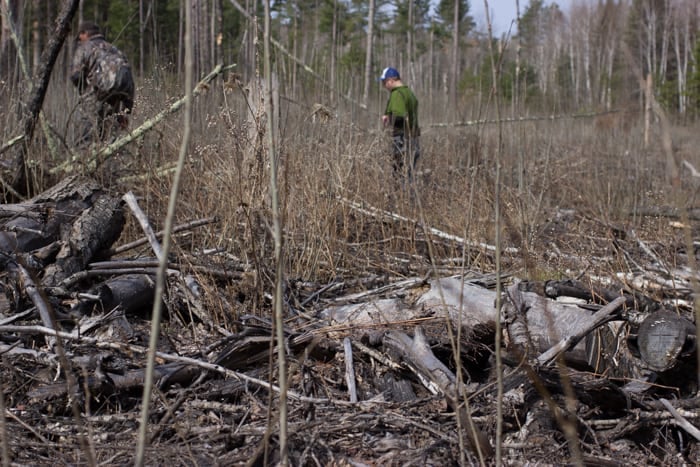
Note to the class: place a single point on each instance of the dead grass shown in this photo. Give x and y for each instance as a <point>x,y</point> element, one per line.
<point>547,166</point>
<point>568,188</point>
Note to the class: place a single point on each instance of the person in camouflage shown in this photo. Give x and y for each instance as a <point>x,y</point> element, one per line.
<point>104,80</point>
<point>401,116</point>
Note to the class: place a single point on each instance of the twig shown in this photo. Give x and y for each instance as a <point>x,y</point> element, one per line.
<point>159,234</point>
<point>691,167</point>
<point>682,422</point>
<point>647,250</point>
<point>38,300</point>
<point>156,314</point>
<point>375,212</point>
<point>376,355</point>
<point>17,316</point>
<point>361,296</point>
<point>349,371</point>
<point>145,225</point>
<point>12,142</point>
<point>26,427</point>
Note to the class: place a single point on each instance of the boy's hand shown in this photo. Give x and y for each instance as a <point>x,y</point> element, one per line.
<point>385,120</point>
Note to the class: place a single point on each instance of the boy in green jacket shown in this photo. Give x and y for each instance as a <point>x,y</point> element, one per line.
<point>401,116</point>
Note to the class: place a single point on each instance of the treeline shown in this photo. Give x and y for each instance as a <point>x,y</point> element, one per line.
<point>591,57</point>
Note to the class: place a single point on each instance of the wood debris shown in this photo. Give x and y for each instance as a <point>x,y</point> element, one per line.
<point>395,372</point>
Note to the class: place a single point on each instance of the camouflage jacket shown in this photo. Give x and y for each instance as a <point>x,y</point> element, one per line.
<point>96,64</point>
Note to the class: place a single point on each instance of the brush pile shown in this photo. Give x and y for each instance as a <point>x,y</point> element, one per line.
<point>382,370</point>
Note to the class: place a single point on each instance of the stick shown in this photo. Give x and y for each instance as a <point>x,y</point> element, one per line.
<point>38,299</point>
<point>9,144</point>
<point>349,371</point>
<point>375,212</point>
<point>377,356</point>
<point>682,422</point>
<point>145,225</point>
<point>693,171</point>
<point>159,234</point>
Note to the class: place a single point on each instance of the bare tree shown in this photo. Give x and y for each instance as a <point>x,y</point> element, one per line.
<point>454,67</point>
<point>334,53</point>
<point>368,54</point>
<point>409,38</point>
<point>37,24</point>
<point>10,21</point>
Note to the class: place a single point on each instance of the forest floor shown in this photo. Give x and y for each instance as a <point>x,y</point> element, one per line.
<point>202,414</point>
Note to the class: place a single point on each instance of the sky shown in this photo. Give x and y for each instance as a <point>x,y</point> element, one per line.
<point>502,12</point>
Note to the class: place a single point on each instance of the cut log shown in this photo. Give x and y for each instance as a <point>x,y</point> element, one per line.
<point>133,293</point>
<point>535,324</point>
<point>662,338</point>
<point>596,320</point>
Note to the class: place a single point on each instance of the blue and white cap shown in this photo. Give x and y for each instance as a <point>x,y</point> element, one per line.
<point>389,73</point>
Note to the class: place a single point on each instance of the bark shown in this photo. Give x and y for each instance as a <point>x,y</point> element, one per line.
<point>42,221</point>
<point>133,293</point>
<point>94,230</point>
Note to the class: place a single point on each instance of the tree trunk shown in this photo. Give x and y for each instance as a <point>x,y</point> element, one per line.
<point>19,179</point>
<point>10,21</point>
<point>455,59</point>
<point>368,53</point>
<point>334,54</point>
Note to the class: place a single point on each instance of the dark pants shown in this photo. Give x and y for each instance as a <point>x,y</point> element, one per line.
<point>406,152</point>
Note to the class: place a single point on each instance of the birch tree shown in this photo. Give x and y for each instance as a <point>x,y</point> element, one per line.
<point>10,20</point>
<point>368,52</point>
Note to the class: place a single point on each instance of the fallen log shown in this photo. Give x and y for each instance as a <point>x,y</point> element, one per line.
<point>44,220</point>
<point>100,381</point>
<point>133,293</point>
<point>534,323</point>
<point>662,338</point>
<point>94,230</point>
<point>416,353</point>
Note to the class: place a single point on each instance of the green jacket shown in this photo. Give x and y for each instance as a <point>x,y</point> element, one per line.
<point>402,109</point>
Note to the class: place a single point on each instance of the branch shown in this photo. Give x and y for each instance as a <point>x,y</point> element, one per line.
<point>145,225</point>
